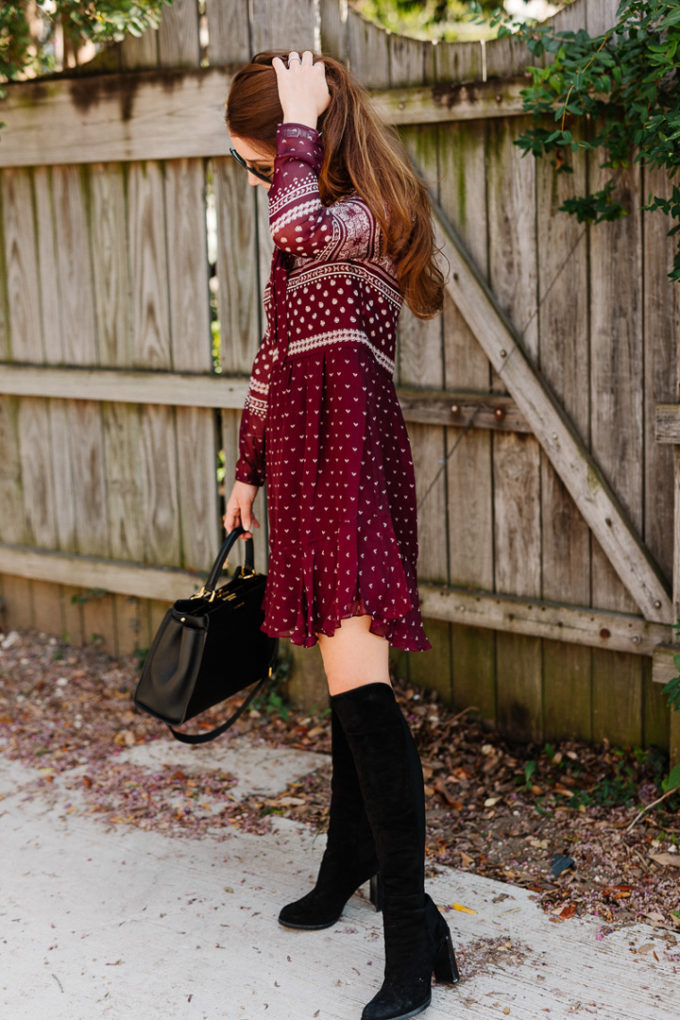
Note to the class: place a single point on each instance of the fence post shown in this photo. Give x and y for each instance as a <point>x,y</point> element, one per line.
<point>668,431</point>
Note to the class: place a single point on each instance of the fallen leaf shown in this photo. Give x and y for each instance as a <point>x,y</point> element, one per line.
<point>464,910</point>
<point>617,892</point>
<point>673,860</point>
<point>444,793</point>
<point>568,911</point>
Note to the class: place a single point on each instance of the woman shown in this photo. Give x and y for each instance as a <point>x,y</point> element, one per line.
<point>322,425</point>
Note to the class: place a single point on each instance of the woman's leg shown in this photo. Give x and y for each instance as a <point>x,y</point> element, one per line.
<point>387,763</point>
<point>353,656</point>
<point>350,858</point>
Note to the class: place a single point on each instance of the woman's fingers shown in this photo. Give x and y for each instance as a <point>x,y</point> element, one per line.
<point>239,509</point>
<point>303,91</point>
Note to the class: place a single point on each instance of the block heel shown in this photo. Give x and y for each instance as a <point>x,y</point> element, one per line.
<point>445,966</point>
<point>376,892</point>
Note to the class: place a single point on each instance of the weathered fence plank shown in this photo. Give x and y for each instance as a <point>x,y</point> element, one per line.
<point>36,471</point>
<point>594,628</point>
<point>238,299</point>
<point>661,328</point>
<point>157,467</point>
<point>367,51</point>
<point>564,359</point>
<point>51,341</point>
<point>191,351</point>
<point>152,349</point>
<point>228,32</point>
<point>178,42</point>
<point>11,488</point>
<point>21,260</point>
<point>180,114</point>
<point>492,411</point>
<point>179,389</point>
<point>285,25</point>
<point>462,175</point>
<point>420,364</point>
<point>616,369</point>
<point>516,459</point>
<point>140,51</point>
<point>110,264</point>
<point>126,511</point>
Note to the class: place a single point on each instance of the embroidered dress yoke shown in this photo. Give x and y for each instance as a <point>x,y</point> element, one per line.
<point>322,424</point>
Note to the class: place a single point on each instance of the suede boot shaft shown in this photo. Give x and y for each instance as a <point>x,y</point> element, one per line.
<point>350,857</point>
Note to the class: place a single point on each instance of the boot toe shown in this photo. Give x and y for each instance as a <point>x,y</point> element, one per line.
<point>389,1004</point>
<point>308,914</point>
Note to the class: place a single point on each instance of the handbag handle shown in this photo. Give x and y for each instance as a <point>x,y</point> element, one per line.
<point>203,738</point>
<point>208,589</point>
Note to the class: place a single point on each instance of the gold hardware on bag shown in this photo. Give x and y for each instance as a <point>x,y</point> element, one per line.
<point>203,593</point>
<point>251,574</point>
<point>182,619</point>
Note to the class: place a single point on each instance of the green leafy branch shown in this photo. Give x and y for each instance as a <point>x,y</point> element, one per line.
<point>617,94</point>
<point>27,30</point>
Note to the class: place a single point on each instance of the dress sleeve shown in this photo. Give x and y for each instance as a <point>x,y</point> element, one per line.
<point>250,465</point>
<point>299,221</point>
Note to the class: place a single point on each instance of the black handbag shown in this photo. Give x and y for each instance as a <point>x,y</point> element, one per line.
<point>209,647</point>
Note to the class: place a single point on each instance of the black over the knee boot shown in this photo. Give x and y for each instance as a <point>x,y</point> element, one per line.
<point>349,859</point>
<point>417,938</point>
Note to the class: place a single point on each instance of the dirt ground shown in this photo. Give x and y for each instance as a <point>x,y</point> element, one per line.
<point>516,813</point>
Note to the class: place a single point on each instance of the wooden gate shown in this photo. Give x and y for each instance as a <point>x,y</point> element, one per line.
<point>546,517</point>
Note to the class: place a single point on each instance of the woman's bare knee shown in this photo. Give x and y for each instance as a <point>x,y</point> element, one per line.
<point>353,656</point>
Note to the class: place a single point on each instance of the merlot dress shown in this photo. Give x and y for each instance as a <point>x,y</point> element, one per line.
<point>322,425</point>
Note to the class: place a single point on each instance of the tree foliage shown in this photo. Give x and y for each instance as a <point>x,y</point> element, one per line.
<point>617,94</point>
<point>27,29</point>
<point>431,19</point>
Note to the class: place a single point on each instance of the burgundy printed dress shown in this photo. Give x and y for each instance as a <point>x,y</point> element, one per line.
<point>322,424</point>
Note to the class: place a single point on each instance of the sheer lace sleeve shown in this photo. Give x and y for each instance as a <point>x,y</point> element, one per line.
<point>250,465</point>
<point>299,221</point>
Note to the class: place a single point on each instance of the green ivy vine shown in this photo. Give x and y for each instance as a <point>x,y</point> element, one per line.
<point>617,94</point>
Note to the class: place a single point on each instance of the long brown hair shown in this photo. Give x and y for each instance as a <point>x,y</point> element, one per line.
<point>362,154</point>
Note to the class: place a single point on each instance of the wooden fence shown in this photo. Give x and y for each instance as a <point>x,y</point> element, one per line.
<point>549,571</point>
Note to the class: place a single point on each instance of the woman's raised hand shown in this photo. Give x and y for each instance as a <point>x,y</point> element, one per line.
<point>303,92</point>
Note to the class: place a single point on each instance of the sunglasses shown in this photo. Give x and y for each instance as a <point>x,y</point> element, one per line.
<point>260,174</point>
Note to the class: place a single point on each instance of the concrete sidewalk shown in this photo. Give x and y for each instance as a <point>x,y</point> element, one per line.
<point>132,924</point>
